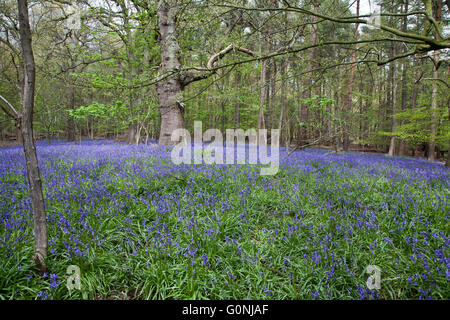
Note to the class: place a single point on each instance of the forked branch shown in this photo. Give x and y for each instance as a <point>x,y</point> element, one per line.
<point>197,74</point>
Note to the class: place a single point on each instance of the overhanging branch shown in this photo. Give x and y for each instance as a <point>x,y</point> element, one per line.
<point>10,111</point>
<point>197,74</point>
<point>221,54</point>
<point>427,43</point>
<point>437,79</point>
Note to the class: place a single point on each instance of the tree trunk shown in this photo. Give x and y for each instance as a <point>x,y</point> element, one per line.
<point>132,133</point>
<point>447,163</point>
<point>403,146</point>
<point>34,177</point>
<point>389,92</point>
<point>335,125</point>
<point>271,96</point>
<point>19,137</point>
<point>432,146</point>
<point>282,120</point>
<point>223,115</point>
<point>394,107</point>
<point>70,120</point>
<point>381,104</point>
<point>130,74</point>
<point>348,101</point>
<point>237,105</point>
<point>302,138</point>
<point>434,96</point>
<point>262,97</point>
<point>169,90</point>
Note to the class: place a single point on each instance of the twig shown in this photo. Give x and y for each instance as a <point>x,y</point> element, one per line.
<point>437,79</point>
<point>284,275</point>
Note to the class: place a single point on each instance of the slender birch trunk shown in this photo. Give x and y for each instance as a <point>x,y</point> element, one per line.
<point>34,177</point>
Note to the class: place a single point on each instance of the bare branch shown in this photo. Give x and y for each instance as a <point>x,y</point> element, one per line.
<point>221,54</point>
<point>403,55</point>
<point>197,74</point>
<point>428,43</point>
<point>437,79</point>
<point>303,48</point>
<point>11,111</point>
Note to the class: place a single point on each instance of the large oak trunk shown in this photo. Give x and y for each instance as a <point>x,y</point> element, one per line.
<point>170,89</point>
<point>172,118</point>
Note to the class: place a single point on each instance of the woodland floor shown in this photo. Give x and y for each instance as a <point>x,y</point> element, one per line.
<point>140,227</point>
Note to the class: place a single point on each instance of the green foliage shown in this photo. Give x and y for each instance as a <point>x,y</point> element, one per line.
<point>95,109</point>
<point>321,104</point>
<point>415,126</point>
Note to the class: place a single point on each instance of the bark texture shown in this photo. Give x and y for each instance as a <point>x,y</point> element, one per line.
<point>302,136</point>
<point>346,136</point>
<point>173,78</point>
<point>34,178</point>
<point>170,89</point>
<point>434,96</point>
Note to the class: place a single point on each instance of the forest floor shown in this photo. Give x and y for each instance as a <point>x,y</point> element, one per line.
<point>9,143</point>
<point>353,148</point>
<point>140,227</point>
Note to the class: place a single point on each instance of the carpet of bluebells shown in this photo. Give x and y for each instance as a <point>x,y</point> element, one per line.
<point>140,227</point>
